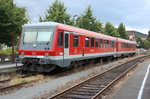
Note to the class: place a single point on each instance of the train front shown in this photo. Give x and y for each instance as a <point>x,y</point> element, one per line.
<point>35,47</point>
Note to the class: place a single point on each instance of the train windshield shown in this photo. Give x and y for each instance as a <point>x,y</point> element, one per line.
<point>37,35</point>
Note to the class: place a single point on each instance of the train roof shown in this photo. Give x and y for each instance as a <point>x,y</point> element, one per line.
<point>125,41</point>
<point>71,29</point>
<point>85,32</point>
<point>76,30</point>
<point>42,24</point>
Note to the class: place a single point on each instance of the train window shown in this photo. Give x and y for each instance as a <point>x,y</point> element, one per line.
<point>92,42</point>
<point>122,45</point>
<point>107,43</point>
<point>96,42</point>
<point>60,39</point>
<point>75,41</point>
<point>86,41</point>
<point>101,43</point>
<point>66,40</point>
<point>29,36</point>
<point>104,43</point>
<point>113,44</point>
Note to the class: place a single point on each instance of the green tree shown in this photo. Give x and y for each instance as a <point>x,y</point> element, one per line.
<point>57,13</point>
<point>146,44</point>
<point>40,19</point>
<point>148,34</point>
<point>11,20</point>
<point>122,31</point>
<point>110,30</point>
<point>88,21</point>
<point>143,43</point>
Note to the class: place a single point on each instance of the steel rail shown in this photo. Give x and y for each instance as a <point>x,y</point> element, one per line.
<point>16,85</point>
<point>97,96</point>
<point>73,93</point>
<point>23,76</point>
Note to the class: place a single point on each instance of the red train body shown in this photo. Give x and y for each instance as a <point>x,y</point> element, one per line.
<point>43,46</point>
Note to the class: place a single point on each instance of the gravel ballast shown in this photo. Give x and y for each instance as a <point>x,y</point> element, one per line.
<point>39,89</point>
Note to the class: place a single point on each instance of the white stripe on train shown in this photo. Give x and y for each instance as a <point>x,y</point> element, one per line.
<point>77,56</point>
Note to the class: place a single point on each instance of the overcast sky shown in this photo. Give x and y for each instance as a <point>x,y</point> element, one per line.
<point>135,14</point>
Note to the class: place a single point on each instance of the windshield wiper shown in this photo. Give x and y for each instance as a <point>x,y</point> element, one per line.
<point>47,42</point>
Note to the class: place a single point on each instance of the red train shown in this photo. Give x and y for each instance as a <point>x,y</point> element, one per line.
<point>44,46</point>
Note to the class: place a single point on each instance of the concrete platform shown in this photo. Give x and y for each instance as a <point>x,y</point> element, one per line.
<point>8,67</point>
<point>138,86</point>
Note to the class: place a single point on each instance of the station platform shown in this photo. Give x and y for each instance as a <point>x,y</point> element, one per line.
<point>137,86</point>
<point>8,67</point>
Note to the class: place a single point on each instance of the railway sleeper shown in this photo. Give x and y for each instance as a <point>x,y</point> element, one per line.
<point>90,88</point>
<point>98,85</point>
<point>87,91</point>
<point>77,97</point>
<point>79,93</point>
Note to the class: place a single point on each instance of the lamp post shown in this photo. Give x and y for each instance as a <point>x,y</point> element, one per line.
<point>74,18</point>
<point>12,42</point>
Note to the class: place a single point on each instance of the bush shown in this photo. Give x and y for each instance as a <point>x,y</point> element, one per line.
<point>8,51</point>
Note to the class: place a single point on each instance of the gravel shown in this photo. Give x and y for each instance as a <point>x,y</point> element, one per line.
<point>39,89</point>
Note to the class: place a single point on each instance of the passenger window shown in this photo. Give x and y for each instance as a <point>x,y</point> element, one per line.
<point>101,43</point>
<point>122,45</point>
<point>66,40</point>
<point>86,41</point>
<point>75,41</point>
<point>105,44</point>
<point>96,42</point>
<point>92,42</point>
<point>110,44</point>
<point>60,39</point>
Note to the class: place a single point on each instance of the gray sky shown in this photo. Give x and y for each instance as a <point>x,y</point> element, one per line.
<point>135,14</point>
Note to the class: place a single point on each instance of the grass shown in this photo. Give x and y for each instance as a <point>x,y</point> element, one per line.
<point>148,51</point>
<point>23,80</point>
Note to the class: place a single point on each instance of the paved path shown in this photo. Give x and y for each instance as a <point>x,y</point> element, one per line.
<point>138,86</point>
<point>8,67</point>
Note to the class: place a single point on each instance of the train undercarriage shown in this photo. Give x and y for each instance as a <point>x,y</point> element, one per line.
<point>35,65</point>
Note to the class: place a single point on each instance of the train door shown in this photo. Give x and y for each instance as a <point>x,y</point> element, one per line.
<point>115,50</point>
<point>66,47</point>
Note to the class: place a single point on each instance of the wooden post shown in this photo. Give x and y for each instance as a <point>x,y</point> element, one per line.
<point>12,42</point>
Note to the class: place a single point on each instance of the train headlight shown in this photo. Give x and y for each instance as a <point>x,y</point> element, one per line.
<point>22,53</point>
<point>46,54</point>
<point>33,53</point>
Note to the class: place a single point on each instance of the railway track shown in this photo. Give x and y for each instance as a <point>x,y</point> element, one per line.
<point>4,84</point>
<point>95,87</point>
